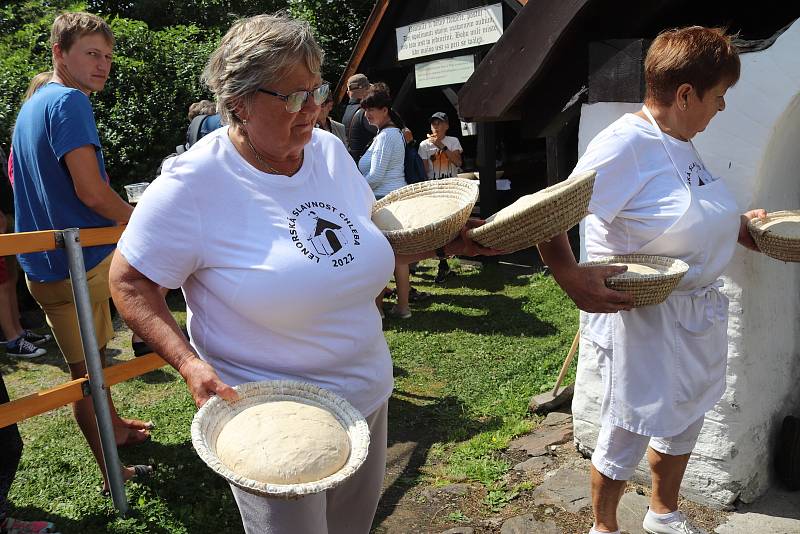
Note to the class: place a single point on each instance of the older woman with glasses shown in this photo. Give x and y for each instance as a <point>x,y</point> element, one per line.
<point>265,224</point>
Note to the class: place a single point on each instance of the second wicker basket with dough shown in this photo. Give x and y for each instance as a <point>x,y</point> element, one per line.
<point>650,279</point>
<point>778,236</point>
<point>425,216</point>
<point>537,217</point>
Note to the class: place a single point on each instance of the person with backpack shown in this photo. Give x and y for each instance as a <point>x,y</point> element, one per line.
<point>383,167</point>
<point>358,129</point>
<point>203,119</point>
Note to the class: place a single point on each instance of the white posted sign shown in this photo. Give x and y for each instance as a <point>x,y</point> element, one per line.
<point>444,71</point>
<point>465,29</point>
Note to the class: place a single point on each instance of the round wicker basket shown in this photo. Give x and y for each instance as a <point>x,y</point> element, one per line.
<point>769,239</point>
<point>537,217</point>
<point>442,230</point>
<point>647,289</point>
<point>212,417</point>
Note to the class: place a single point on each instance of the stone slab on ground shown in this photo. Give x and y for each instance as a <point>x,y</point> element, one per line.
<point>631,512</point>
<point>537,442</point>
<point>567,488</point>
<point>434,492</point>
<point>557,418</point>
<point>528,524</point>
<point>460,530</point>
<point>777,512</point>
<point>535,465</point>
<point>545,402</point>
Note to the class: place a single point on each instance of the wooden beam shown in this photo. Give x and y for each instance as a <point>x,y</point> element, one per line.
<point>527,44</point>
<point>516,5</point>
<point>25,242</point>
<point>370,27</point>
<point>69,392</point>
<point>91,237</point>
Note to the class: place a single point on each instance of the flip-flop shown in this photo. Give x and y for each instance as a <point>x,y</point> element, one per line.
<point>136,440</point>
<point>146,425</point>
<point>15,526</point>
<point>140,472</point>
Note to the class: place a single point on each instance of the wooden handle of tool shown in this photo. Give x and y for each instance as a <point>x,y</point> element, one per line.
<point>567,361</point>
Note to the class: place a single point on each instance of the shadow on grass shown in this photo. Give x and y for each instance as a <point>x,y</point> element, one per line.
<point>491,277</point>
<point>159,376</point>
<point>496,314</point>
<point>421,421</point>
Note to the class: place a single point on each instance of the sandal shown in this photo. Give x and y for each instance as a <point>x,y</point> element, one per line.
<point>15,526</point>
<point>140,473</point>
<point>140,348</point>
<point>134,437</point>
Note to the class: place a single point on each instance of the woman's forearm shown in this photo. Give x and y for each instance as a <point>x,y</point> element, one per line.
<point>141,304</point>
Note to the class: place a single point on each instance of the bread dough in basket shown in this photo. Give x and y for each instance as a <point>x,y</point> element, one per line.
<point>283,442</point>
<point>788,227</point>
<point>640,269</point>
<point>415,212</point>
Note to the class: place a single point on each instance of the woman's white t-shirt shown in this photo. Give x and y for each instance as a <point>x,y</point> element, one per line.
<point>637,195</point>
<point>280,274</point>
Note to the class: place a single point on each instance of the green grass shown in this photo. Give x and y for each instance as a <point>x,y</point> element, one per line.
<point>466,365</point>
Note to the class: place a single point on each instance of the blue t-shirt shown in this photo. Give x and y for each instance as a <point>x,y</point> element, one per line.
<point>55,121</point>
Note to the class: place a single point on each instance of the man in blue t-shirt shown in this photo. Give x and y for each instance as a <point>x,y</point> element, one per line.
<point>60,182</point>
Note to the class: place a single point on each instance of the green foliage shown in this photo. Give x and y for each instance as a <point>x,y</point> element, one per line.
<point>161,49</point>
<point>338,25</point>
<point>141,113</point>
<point>498,497</point>
<point>158,14</point>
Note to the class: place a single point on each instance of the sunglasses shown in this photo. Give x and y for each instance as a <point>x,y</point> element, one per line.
<point>295,101</point>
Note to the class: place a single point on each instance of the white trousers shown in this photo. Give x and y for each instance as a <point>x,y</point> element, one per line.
<point>346,509</point>
<point>618,450</point>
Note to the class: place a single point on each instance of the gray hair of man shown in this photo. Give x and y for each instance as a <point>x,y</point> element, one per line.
<point>255,53</point>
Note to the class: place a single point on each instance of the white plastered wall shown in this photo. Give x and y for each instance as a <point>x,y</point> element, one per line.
<point>755,146</point>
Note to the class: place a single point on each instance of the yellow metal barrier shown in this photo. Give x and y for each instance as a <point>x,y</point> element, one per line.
<point>50,399</point>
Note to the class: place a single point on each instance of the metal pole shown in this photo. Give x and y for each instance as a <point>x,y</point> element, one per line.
<point>94,368</point>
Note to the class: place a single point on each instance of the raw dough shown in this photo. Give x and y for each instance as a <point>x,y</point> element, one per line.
<point>636,270</point>
<point>283,442</point>
<point>415,212</point>
<point>788,227</point>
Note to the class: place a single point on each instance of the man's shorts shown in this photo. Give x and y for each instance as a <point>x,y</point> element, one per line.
<point>3,270</point>
<point>58,303</point>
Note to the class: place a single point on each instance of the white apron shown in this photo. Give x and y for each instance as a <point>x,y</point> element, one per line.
<point>668,361</point>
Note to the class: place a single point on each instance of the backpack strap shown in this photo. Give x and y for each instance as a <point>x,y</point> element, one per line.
<point>193,132</point>
<point>352,120</point>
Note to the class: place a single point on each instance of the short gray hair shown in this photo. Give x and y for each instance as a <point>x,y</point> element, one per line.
<point>255,52</point>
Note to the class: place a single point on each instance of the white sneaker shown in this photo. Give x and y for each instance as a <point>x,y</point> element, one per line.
<point>680,525</point>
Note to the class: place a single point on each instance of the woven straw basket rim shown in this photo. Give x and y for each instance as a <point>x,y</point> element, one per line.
<point>555,209</point>
<point>209,420</point>
<point>437,233</point>
<point>647,289</point>
<point>772,244</point>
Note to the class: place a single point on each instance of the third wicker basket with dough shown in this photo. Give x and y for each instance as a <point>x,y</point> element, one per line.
<point>537,217</point>
<point>650,279</point>
<point>778,236</point>
<point>425,216</point>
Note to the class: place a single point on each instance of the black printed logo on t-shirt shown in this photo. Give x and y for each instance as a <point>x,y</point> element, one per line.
<point>319,231</point>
